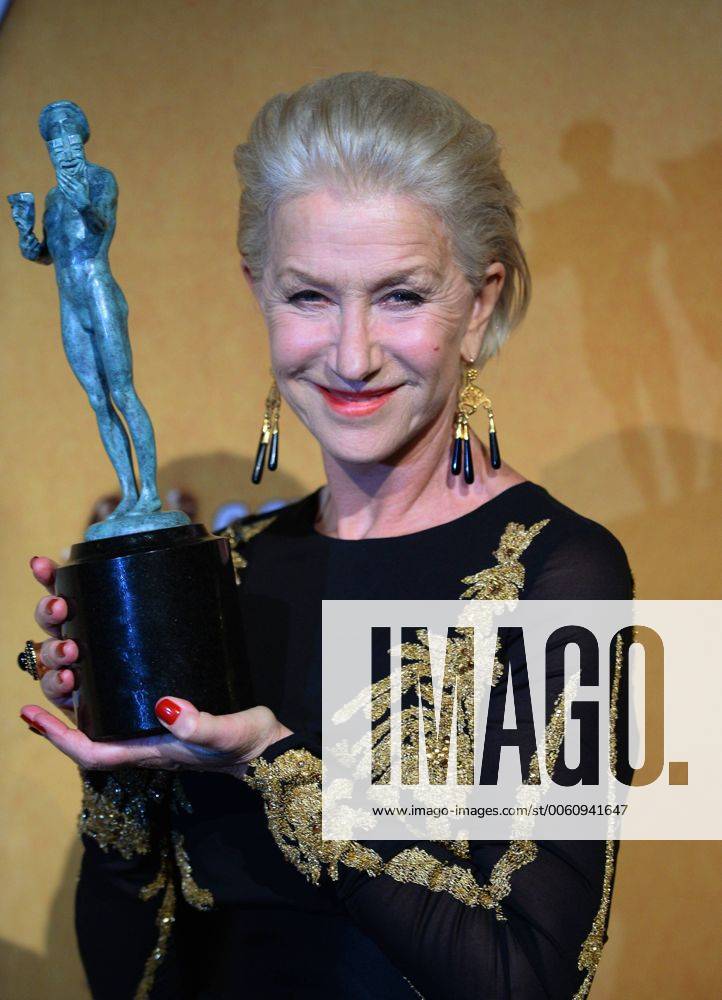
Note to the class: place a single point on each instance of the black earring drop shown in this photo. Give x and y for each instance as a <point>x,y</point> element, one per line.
<point>471,397</point>
<point>269,434</point>
<point>461,456</point>
<point>493,441</point>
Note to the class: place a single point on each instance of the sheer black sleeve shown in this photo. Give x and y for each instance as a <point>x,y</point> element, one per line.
<point>520,919</point>
<point>125,898</point>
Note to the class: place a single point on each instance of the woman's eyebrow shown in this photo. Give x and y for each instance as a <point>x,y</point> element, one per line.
<point>402,277</point>
<point>397,278</point>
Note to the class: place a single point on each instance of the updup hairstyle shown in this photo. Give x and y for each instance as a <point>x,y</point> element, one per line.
<point>366,133</point>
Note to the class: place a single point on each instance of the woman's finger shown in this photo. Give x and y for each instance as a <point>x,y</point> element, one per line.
<point>245,733</point>
<point>58,652</point>
<point>151,751</point>
<point>57,685</point>
<point>50,613</point>
<point>44,571</point>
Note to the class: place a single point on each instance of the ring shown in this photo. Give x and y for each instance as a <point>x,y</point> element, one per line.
<point>28,660</point>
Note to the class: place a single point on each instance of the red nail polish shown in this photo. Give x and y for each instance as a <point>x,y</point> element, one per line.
<point>51,606</point>
<point>32,724</point>
<point>167,710</point>
<point>62,650</point>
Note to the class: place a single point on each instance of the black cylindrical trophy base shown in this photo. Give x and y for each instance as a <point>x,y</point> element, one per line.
<point>153,614</point>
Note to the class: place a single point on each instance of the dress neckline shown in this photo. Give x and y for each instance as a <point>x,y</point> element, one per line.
<point>445,526</point>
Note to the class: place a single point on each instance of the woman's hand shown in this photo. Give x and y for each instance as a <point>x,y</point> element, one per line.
<point>56,653</point>
<point>195,740</point>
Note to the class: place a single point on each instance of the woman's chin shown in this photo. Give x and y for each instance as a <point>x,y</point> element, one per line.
<point>359,451</point>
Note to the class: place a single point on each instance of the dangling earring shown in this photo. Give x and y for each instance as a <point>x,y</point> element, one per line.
<point>471,397</point>
<point>269,432</point>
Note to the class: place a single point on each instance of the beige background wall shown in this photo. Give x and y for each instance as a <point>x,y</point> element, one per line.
<point>608,395</point>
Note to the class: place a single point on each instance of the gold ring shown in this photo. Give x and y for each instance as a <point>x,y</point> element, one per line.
<point>29,662</point>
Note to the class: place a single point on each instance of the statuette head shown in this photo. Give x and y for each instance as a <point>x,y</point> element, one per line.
<point>65,129</point>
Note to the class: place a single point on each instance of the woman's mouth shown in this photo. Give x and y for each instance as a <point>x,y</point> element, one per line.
<point>356,404</point>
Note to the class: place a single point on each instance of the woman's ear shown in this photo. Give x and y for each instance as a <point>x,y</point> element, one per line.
<point>485,299</point>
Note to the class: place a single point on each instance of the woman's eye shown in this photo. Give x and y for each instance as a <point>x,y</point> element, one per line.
<point>400,296</point>
<point>307,295</point>
<point>405,297</point>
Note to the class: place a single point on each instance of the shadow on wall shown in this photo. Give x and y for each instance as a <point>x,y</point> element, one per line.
<point>672,536</point>
<point>641,273</point>
<point>222,476</point>
<point>208,487</point>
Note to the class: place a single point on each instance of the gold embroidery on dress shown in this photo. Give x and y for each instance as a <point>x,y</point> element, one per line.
<point>291,791</point>
<point>416,674</point>
<point>423,868</point>
<point>418,866</point>
<point>117,815</point>
<point>201,899</point>
<point>504,581</point>
<point>520,852</point>
<point>163,921</point>
<point>500,582</point>
<point>592,948</point>
<point>239,536</point>
<point>458,847</point>
<point>291,785</point>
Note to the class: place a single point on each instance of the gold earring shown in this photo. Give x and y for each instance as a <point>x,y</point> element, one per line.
<point>471,397</point>
<point>269,433</point>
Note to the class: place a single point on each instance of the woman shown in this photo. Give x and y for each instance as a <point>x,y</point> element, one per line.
<point>378,235</point>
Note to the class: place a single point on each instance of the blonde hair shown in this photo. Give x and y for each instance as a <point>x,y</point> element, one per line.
<point>369,133</point>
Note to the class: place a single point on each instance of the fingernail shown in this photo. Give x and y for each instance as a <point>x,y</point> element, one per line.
<point>33,560</point>
<point>33,725</point>
<point>62,649</point>
<point>167,710</point>
<point>52,606</point>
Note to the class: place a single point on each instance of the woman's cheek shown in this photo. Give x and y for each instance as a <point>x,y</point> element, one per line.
<point>294,345</point>
<point>433,347</point>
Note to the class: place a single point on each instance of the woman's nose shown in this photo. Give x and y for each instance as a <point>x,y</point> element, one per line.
<point>357,352</point>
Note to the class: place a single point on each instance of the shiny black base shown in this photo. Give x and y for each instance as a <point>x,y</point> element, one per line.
<point>155,613</point>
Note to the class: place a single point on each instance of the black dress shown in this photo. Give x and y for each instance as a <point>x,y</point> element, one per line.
<point>199,885</point>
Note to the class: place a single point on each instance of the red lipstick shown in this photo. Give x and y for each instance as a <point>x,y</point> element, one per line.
<point>356,404</point>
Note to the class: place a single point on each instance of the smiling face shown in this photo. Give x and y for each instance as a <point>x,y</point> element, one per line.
<point>369,318</point>
<point>65,144</point>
